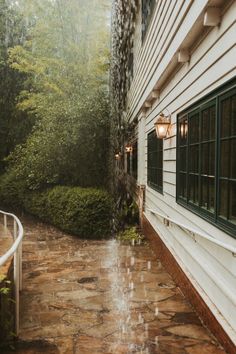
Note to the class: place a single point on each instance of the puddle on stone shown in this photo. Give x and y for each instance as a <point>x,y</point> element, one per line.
<point>87,280</point>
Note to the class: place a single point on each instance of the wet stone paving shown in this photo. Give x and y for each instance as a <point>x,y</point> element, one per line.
<point>85,297</point>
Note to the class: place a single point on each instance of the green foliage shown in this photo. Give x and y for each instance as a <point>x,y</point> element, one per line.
<point>62,61</point>
<point>14,124</point>
<point>6,312</point>
<point>85,212</point>
<point>12,190</point>
<point>131,236</point>
<point>127,212</point>
<point>4,289</point>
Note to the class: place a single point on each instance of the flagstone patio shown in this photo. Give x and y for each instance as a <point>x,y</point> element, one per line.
<point>90,297</point>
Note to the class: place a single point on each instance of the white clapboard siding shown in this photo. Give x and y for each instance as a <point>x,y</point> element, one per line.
<point>153,47</point>
<point>211,268</point>
<point>167,205</point>
<point>170,166</point>
<point>169,177</point>
<point>168,46</point>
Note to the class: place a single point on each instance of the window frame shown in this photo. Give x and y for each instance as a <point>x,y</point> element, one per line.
<point>150,183</point>
<point>218,95</point>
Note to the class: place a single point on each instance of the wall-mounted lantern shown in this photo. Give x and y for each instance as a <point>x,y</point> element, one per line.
<point>117,156</point>
<point>128,148</point>
<point>162,125</point>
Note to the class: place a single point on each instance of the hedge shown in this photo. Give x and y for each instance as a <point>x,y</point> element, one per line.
<point>86,212</point>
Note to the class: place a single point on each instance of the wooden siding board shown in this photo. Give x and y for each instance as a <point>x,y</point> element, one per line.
<point>156,47</point>
<point>152,48</point>
<point>186,20</point>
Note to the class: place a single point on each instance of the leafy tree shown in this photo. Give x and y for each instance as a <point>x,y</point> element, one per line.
<point>64,61</point>
<point>14,125</point>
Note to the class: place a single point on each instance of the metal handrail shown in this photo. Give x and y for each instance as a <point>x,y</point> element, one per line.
<point>196,232</point>
<point>16,251</point>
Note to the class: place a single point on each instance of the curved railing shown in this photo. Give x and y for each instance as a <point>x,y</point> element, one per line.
<point>16,252</point>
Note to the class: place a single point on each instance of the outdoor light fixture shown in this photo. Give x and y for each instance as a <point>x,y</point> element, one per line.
<point>118,155</point>
<point>128,148</point>
<point>162,126</point>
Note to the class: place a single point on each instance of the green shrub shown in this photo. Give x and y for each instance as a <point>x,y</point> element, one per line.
<point>12,190</point>
<point>6,312</point>
<point>86,212</point>
<point>130,235</point>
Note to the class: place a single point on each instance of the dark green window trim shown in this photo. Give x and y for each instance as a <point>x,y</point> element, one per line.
<point>206,158</point>
<point>155,162</point>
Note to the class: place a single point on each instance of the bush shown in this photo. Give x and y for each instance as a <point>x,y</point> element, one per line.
<point>12,190</point>
<point>130,235</point>
<point>86,212</point>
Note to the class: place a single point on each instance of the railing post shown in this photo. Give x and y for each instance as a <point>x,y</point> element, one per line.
<point>20,266</point>
<point>16,282</point>
<point>16,252</point>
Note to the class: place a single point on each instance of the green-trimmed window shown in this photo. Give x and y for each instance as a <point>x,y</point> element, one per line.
<point>206,158</point>
<point>155,162</point>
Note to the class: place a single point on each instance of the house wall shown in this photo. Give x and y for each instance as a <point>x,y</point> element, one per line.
<point>210,268</point>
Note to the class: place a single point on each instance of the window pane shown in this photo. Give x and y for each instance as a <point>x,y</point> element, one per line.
<point>159,178</point>
<point>193,188</point>
<point>154,176</point>
<point>155,161</point>
<point>233,159</point>
<point>205,125</point>
<point>183,158</point>
<point>193,163</point>
<point>224,160</point>
<point>225,117</point>
<point>233,130</point>
<point>208,193</point>
<point>208,124</point>
<point>212,159</point>
<point>194,128</point>
<point>223,198</point>
<point>232,203</point>
<point>159,158</point>
<point>204,192</point>
<point>205,159</point>
<point>183,185</point>
<point>212,129</point>
<point>150,159</point>
<point>211,200</point>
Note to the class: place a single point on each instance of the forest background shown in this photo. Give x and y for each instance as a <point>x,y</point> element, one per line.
<point>54,111</point>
